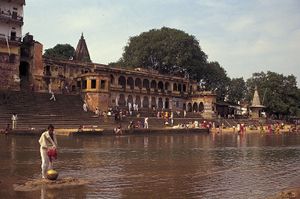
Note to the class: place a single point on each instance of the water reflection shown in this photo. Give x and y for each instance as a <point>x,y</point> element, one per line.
<point>158,166</point>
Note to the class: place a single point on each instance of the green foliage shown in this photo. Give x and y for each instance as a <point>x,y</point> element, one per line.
<point>60,51</point>
<point>215,79</point>
<point>277,92</point>
<point>172,51</point>
<point>166,50</point>
<point>237,90</point>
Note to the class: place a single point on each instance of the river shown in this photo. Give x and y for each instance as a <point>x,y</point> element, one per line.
<point>157,166</point>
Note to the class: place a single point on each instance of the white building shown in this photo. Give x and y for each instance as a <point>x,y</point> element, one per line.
<point>11,18</point>
<point>11,22</point>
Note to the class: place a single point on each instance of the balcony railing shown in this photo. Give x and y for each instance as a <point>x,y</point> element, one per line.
<point>8,16</point>
<point>9,38</point>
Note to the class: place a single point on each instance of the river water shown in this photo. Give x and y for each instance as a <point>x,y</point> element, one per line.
<point>157,166</point>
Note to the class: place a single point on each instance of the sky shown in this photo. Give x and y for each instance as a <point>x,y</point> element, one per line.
<point>244,36</point>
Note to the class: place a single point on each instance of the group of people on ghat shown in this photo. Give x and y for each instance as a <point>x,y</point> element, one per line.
<point>168,119</point>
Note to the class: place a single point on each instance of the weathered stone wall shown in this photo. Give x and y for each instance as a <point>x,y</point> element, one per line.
<point>9,76</point>
<point>97,99</point>
<point>9,67</point>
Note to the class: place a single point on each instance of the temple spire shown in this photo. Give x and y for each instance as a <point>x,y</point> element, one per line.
<point>82,52</point>
<point>256,100</point>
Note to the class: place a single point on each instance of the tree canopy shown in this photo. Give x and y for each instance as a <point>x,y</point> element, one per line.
<point>172,51</point>
<point>166,50</point>
<point>60,51</point>
<point>237,90</point>
<point>277,92</point>
<point>214,78</point>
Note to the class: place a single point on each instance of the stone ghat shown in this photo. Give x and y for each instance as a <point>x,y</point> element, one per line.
<point>37,184</point>
<point>141,131</point>
<point>108,132</point>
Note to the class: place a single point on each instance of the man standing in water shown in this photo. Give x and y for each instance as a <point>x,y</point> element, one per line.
<point>14,119</point>
<point>48,145</point>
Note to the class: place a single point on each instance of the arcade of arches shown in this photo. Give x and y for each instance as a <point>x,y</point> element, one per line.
<point>147,84</point>
<point>160,103</point>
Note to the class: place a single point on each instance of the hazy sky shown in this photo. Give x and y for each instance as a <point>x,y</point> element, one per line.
<point>244,36</point>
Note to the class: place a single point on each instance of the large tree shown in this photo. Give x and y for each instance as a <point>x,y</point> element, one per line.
<point>213,77</point>
<point>278,93</point>
<point>166,50</point>
<point>237,90</point>
<point>60,51</point>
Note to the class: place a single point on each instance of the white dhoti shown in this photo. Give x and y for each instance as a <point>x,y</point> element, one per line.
<point>46,164</point>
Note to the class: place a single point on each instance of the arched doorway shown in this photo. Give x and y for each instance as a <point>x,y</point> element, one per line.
<point>138,101</point>
<point>201,107</point>
<point>184,88</point>
<point>190,108</point>
<point>130,82</point>
<point>160,85</point>
<point>130,100</point>
<point>146,102</point>
<point>184,106</point>
<point>112,80</point>
<point>195,107</point>
<point>122,81</point>
<point>153,102</point>
<point>179,87</point>
<point>167,86</point>
<point>24,75</point>
<point>153,84</point>
<point>174,87</point>
<point>160,103</point>
<point>138,83</point>
<point>146,84</point>
<point>167,103</point>
<point>122,101</point>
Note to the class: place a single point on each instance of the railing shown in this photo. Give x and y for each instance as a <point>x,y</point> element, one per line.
<point>13,16</point>
<point>10,38</point>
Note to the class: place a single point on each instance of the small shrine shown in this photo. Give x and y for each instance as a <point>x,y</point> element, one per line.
<point>256,106</point>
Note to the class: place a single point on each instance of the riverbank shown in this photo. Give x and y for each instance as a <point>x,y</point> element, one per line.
<point>165,130</point>
<point>286,129</point>
<point>100,131</point>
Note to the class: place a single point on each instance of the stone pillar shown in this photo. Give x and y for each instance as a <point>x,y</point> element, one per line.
<point>150,102</point>
<point>117,100</point>
<point>142,101</point>
<point>126,100</point>
<point>116,80</point>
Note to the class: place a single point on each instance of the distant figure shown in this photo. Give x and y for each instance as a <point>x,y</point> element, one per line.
<point>131,125</point>
<point>97,111</point>
<point>158,114</point>
<point>48,146</point>
<point>14,119</point>
<point>238,128</point>
<point>67,89</point>
<point>129,107</point>
<point>184,113</point>
<point>118,130</point>
<point>146,125</point>
<point>172,118</point>
<point>52,96</point>
<point>80,128</point>
<point>84,106</point>
<point>6,130</point>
